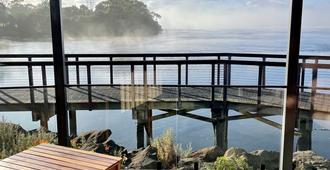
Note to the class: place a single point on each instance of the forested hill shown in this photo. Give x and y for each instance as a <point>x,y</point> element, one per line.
<point>20,20</point>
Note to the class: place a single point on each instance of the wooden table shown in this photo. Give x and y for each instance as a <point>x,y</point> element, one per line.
<point>49,157</point>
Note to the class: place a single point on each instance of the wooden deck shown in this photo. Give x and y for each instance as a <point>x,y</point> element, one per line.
<point>48,157</point>
<point>122,97</point>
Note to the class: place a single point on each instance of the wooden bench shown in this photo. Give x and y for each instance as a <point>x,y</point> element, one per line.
<point>49,157</point>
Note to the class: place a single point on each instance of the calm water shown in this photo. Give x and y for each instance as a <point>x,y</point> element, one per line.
<point>199,134</point>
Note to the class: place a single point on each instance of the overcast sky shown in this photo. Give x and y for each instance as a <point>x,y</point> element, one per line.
<point>228,14</point>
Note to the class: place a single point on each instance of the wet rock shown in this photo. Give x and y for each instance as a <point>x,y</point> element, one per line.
<point>142,160</point>
<point>209,154</point>
<point>308,160</point>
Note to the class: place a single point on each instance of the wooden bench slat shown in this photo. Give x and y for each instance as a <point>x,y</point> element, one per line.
<point>14,166</point>
<point>53,161</point>
<point>4,168</point>
<point>26,164</point>
<point>69,156</point>
<point>41,162</point>
<point>69,160</point>
<point>82,151</point>
<point>84,155</point>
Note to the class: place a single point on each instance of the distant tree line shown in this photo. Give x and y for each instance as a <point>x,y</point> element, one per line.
<point>20,20</point>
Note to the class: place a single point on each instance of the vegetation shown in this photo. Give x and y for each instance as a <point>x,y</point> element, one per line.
<point>21,20</point>
<point>165,148</point>
<point>227,163</point>
<point>14,139</point>
<point>183,152</point>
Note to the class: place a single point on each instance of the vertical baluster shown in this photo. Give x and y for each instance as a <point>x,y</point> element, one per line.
<point>179,87</point>
<point>213,82</point>
<point>303,70</point>
<point>89,84</point>
<point>187,71</point>
<point>111,71</point>
<point>260,80</point>
<point>314,83</point>
<point>77,72</point>
<point>30,74</point>
<point>225,83</point>
<point>229,71</point>
<point>155,72</point>
<point>218,75</point>
<point>133,85</point>
<point>44,117</point>
<point>145,79</point>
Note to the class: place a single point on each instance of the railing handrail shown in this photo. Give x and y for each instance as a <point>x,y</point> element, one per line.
<point>245,55</point>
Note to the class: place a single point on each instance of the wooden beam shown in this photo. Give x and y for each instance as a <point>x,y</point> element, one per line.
<point>292,81</point>
<point>59,73</point>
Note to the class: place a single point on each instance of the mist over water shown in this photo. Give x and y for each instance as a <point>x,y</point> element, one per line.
<point>199,134</point>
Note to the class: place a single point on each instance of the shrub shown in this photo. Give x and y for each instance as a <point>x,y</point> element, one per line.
<point>13,140</point>
<point>227,163</point>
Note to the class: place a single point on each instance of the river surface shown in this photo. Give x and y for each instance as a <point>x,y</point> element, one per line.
<point>250,134</point>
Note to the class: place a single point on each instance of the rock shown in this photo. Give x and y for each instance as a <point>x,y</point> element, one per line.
<point>270,159</point>
<point>209,154</point>
<point>256,158</point>
<point>142,160</point>
<point>235,153</point>
<point>188,163</point>
<point>91,137</point>
<point>308,160</point>
<point>113,149</point>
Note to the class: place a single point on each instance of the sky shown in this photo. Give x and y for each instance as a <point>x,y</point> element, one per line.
<point>230,14</point>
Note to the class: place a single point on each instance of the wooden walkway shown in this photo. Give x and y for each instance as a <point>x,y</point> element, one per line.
<point>121,97</point>
<point>49,157</point>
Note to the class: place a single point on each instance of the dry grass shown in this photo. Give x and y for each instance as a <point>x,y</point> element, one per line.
<point>165,148</point>
<point>13,140</point>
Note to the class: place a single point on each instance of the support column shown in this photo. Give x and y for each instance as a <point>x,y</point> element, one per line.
<point>140,134</point>
<point>148,127</point>
<point>305,125</point>
<point>292,80</point>
<point>220,127</point>
<point>59,73</point>
<point>73,123</point>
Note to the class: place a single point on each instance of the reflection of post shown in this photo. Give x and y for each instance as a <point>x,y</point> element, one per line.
<point>305,126</point>
<point>144,121</point>
<point>73,123</point>
<point>220,127</point>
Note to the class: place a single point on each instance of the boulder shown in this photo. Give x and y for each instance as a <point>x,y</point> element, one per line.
<point>308,160</point>
<point>188,163</point>
<point>91,137</point>
<point>209,154</point>
<point>235,153</point>
<point>141,160</point>
<point>270,159</point>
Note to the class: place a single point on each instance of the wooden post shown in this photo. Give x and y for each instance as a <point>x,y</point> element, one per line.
<point>155,72</point>
<point>77,72</point>
<point>305,125</point>
<point>60,73</point>
<point>89,83</point>
<point>140,133</point>
<point>73,123</point>
<point>220,127</point>
<point>292,92</point>
<point>145,80</point>
<point>179,87</point>
<point>213,83</point>
<point>148,127</point>
<point>111,72</point>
